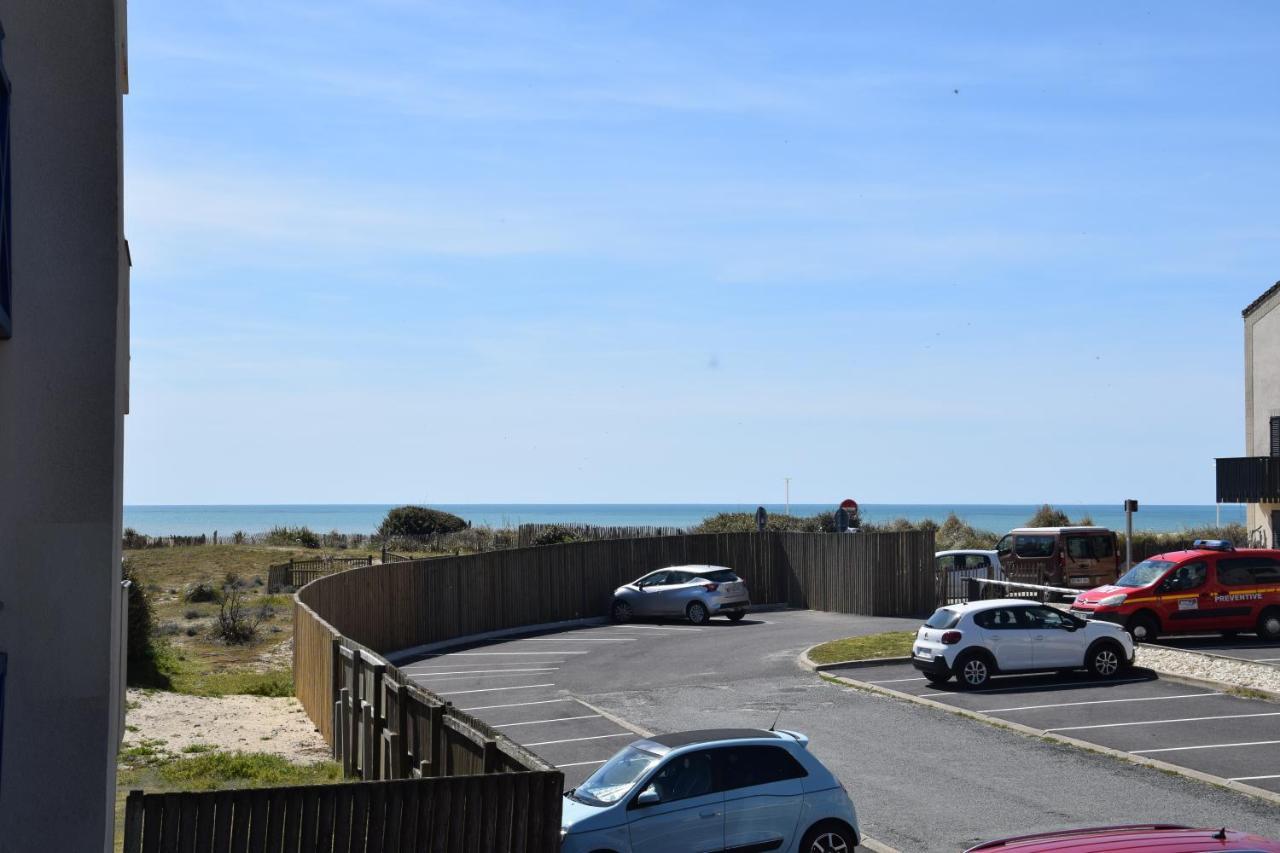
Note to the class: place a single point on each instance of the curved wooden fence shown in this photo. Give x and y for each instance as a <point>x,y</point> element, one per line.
<point>379,609</point>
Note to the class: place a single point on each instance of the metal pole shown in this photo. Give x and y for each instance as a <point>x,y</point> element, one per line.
<point>788,482</point>
<point>1128,535</point>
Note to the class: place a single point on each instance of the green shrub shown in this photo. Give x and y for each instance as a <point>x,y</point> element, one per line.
<point>292,536</point>
<point>419,521</point>
<point>955,534</point>
<point>555,534</point>
<point>1048,516</point>
<point>213,770</point>
<point>745,522</point>
<point>197,593</point>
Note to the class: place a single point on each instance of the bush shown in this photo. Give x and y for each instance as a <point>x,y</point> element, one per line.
<point>195,593</point>
<point>237,622</point>
<point>239,537</point>
<point>133,540</point>
<point>193,614</point>
<point>955,534</point>
<point>554,535</point>
<point>745,522</point>
<point>1048,516</point>
<point>303,536</point>
<point>141,619</point>
<point>419,521</point>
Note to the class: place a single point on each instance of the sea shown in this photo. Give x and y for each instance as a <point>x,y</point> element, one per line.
<point>191,520</point>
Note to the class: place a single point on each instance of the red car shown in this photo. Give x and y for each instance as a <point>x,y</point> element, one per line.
<point>1149,838</point>
<point>1210,588</point>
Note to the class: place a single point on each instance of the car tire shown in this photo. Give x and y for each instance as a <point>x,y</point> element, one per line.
<point>1143,627</point>
<point>620,611</point>
<point>937,679</point>
<point>1269,625</point>
<point>973,670</point>
<point>1104,660</point>
<point>737,617</point>
<point>828,837</point>
<point>697,613</point>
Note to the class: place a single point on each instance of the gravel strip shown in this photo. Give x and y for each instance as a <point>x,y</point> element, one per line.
<point>1191,665</point>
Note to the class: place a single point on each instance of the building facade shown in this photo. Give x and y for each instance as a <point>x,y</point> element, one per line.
<point>64,321</point>
<point>1254,479</point>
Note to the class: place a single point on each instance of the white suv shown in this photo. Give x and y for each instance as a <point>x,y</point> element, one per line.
<point>976,640</point>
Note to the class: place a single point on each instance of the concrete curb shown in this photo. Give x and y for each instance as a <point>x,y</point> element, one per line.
<point>1028,731</point>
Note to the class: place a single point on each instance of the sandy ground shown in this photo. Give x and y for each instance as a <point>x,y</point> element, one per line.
<point>248,723</point>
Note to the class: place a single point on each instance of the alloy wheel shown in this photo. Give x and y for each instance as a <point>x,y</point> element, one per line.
<point>975,672</point>
<point>828,842</point>
<point>1105,662</point>
<point>1271,625</point>
<point>621,611</point>
<point>697,613</point>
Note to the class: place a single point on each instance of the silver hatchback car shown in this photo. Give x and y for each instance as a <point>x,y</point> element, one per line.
<point>694,592</point>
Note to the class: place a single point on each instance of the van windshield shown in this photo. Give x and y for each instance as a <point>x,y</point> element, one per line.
<point>1034,546</point>
<point>1144,574</point>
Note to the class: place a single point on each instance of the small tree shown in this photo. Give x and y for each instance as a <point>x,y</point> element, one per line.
<point>237,622</point>
<point>419,521</point>
<point>1048,516</point>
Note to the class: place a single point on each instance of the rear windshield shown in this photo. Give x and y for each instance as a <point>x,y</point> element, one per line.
<point>1144,574</point>
<point>1034,546</point>
<point>720,576</point>
<point>943,618</point>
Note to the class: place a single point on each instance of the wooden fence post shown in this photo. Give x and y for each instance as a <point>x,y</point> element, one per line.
<point>133,823</point>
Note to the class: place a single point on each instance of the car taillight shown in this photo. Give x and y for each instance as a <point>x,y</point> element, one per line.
<point>951,638</point>
<point>711,587</point>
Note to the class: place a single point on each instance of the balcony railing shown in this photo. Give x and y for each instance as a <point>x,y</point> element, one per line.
<point>1249,479</point>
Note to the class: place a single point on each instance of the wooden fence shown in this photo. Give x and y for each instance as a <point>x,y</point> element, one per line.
<point>296,573</point>
<point>393,606</point>
<point>475,814</point>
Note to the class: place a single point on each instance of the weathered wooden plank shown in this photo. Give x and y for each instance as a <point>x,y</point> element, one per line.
<point>133,807</point>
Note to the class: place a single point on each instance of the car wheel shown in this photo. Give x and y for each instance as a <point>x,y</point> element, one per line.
<point>973,671</point>
<point>937,679</point>
<point>697,613</point>
<point>737,617</point>
<point>828,837</point>
<point>1105,660</point>
<point>621,611</point>
<point>1143,627</point>
<point>1269,625</point>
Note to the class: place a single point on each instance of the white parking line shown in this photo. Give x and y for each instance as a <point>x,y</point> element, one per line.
<point>653,628</point>
<point>1098,702</point>
<point>576,739</point>
<point>1082,684</point>
<point>509,666</point>
<point>500,654</point>
<point>492,689</point>
<point>1205,746</point>
<point>553,720</point>
<point>1160,722</point>
<point>479,671</point>
<point>897,680</point>
<point>428,679</point>
<point>515,705</point>
<point>581,763</point>
<point>1262,660</point>
<point>577,640</point>
<point>1252,778</point>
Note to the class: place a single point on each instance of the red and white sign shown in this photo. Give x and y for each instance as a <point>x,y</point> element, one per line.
<point>849,504</point>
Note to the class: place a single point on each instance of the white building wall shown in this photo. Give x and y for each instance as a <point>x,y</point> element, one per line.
<point>1262,391</point>
<point>63,391</point>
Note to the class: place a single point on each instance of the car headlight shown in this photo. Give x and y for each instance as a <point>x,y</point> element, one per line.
<point>563,833</point>
<point>1113,600</point>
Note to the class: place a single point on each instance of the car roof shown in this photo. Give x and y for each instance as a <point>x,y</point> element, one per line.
<point>694,567</point>
<point>982,551</point>
<point>662,744</point>
<point>1188,553</point>
<point>1166,838</point>
<point>1071,528</point>
<point>987,604</point>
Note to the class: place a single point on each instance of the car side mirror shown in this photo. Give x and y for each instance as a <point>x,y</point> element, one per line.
<point>648,797</point>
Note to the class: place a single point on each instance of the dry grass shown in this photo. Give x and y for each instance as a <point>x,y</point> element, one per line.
<point>891,644</point>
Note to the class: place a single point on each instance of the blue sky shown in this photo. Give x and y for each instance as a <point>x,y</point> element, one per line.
<point>540,252</point>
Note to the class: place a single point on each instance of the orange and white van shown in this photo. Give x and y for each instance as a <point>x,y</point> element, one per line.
<point>1213,587</point>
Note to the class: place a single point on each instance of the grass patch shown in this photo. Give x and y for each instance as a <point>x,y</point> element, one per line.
<point>210,769</point>
<point>891,644</point>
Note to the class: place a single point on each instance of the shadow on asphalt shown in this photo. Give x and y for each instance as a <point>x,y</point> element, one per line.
<point>1050,682</point>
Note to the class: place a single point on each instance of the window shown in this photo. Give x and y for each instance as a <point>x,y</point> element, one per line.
<point>690,775</point>
<point>1080,547</point>
<point>1185,577</point>
<point>976,561</point>
<point>1243,571</point>
<point>1144,574</point>
<point>1034,546</point>
<point>679,577</point>
<point>655,579</point>
<point>612,781</point>
<point>721,576</point>
<point>1104,546</point>
<point>999,619</point>
<point>6,216</point>
<point>946,563</point>
<point>747,766</point>
<point>943,618</point>
<point>1005,545</point>
<point>1046,617</point>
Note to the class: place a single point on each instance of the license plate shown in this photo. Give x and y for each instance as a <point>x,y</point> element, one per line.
<point>1079,580</point>
<point>923,655</point>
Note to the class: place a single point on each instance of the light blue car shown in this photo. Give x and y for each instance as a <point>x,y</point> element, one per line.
<point>739,790</point>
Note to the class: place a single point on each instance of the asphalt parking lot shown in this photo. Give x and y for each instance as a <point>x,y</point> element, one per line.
<point>921,777</point>
<point>1225,735</point>
<point>1245,647</point>
<point>517,685</point>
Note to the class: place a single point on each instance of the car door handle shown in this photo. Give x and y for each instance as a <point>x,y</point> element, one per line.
<point>708,814</point>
